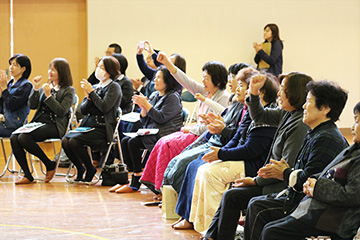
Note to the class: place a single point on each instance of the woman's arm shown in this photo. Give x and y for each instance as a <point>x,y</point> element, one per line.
<point>276,51</point>
<point>144,68</point>
<point>258,141</point>
<point>111,97</point>
<point>188,83</point>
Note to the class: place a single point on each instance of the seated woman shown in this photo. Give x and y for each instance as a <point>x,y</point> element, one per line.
<point>162,111</point>
<point>210,175</point>
<point>155,167</point>
<point>14,95</point>
<point>52,103</point>
<point>213,88</point>
<point>100,108</point>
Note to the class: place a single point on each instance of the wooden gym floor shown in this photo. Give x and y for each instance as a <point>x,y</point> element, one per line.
<point>59,210</point>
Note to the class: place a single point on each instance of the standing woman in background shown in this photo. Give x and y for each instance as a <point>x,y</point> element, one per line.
<point>269,53</point>
<point>52,102</point>
<point>14,94</point>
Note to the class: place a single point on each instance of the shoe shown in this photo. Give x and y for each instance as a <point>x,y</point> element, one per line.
<point>149,204</point>
<point>116,187</point>
<point>90,173</point>
<point>49,175</point>
<point>125,189</point>
<point>24,180</point>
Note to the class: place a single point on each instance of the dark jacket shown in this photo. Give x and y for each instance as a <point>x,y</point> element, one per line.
<point>13,103</point>
<point>166,115</point>
<point>275,60</point>
<point>59,105</point>
<point>108,105</point>
<point>127,90</point>
<point>335,206</point>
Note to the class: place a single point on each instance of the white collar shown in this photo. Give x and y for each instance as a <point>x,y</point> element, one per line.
<point>104,84</point>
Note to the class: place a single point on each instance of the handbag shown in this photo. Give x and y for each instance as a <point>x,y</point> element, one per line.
<point>114,174</point>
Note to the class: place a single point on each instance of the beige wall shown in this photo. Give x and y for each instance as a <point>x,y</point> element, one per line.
<point>44,30</point>
<point>322,38</point>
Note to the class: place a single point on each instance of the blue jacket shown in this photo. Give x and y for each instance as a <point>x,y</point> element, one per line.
<point>13,103</point>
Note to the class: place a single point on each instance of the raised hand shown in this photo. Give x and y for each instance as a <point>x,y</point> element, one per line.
<point>148,47</point>
<point>36,82</point>
<point>244,182</point>
<point>3,80</point>
<point>140,47</point>
<point>256,83</point>
<point>47,89</point>
<point>86,86</point>
<point>136,82</point>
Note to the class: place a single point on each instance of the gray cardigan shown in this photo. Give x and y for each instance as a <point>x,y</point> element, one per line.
<point>287,140</point>
<point>59,105</point>
<point>221,96</point>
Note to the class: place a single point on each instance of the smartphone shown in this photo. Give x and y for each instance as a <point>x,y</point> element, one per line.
<point>142,44</point>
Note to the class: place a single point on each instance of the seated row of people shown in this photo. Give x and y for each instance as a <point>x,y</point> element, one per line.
<point>293,142</point>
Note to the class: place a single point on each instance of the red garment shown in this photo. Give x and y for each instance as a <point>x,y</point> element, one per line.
<point>166,148</point>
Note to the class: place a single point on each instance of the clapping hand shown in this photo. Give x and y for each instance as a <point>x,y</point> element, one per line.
<point>257,46</point>
<point>3,80</point>
<point>140,100</point>
<point>275,169</point>
<point>36,82</point>
<point>308,187</point>
<point>86,86</point>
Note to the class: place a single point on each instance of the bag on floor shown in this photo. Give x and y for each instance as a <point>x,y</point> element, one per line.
<point>169,199</point>
<point>114,174</point>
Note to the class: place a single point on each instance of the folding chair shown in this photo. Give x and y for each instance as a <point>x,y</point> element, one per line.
<point>115,140</point>
<point>72,119</point>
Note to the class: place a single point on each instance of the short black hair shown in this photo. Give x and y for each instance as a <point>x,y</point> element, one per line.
<point>218,73</point>
<point>169,80</point>
<point>357,108</point>
<point>123,62</point>
<point>295,89</point>
<point>23,61</point>
<point>112,66</point>
<point>236,67</point>
<point>117,48</point>
<point>270,88</point>
<point>328,94</point>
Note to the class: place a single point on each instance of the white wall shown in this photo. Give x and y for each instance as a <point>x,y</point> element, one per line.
<point>321,38</point>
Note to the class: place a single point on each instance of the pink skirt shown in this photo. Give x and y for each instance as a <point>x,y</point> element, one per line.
<point>166,148</point>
